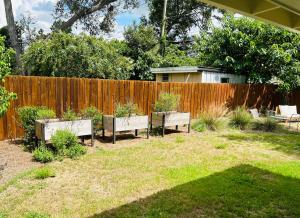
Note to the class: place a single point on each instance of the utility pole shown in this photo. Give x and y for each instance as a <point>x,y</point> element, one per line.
<point>163,29</point>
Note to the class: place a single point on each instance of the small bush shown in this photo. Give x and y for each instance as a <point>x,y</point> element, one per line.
<point>240,118</point>
<point>167,102</point>
<point>126,110</point>
<point>43,154</point>
<point>27,116</point>
<point>63,140</point>
<point>76,151</point>
<point>267,124</point>
<point>94,114</point>
<point>199,126</point>
<point>44,172</point>
<point>69,115</point>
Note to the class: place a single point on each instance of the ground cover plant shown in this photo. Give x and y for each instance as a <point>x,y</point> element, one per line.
<point>228,173</point>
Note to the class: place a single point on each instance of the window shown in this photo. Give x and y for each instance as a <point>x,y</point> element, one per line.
<point>165,77</point>
<point>224,80</point>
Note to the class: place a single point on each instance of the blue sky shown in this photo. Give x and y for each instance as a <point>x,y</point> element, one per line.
<point>42,10</point>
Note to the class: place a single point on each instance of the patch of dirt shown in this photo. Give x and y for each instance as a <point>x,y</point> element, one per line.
<point>13,160</point>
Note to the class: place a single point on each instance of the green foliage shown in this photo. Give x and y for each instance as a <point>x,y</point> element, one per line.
<point>62,140</point>
<point>94,114</point>
<point>182,16</point>
<point>167,102</point>
<point>66,143</point>
<point>43,154</point>
<point>240,118</point>
<point>44,172</point>
<point>69,115</point>
<point>70,55</point>
<point>126,110</point>
<point>27,116</point>
<point>260,51</point>
<point>199,126</point>
<point>267,124</point>
<point>5,69</point>
<point>76,151</point>
<point>179,139</point>
<point>221,146</point>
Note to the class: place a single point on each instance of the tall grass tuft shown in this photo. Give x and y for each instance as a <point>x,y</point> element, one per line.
<point>212,119</point>
<point>267,124</point>
<point>240,118</point>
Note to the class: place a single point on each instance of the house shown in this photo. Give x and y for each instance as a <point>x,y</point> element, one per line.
<point>195,74</point>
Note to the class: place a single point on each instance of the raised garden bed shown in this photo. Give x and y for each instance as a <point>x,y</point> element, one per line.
<point>168,119</point>
<point>44,129</point>
<point>119,124</point>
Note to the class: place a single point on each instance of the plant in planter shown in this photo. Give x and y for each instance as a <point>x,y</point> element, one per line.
<point>96,116</point>
<point>45,129</point>
<point>126,118</point>
<point>165,113</point>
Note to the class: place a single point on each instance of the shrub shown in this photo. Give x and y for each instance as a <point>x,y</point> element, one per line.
<point>76,151</point>
<point>94,114</point>
<point>69,115</point>
<point>199,126</point>
<point>267,124</point>
<point>126,110</point>
<point>63,140</point>
<point>240,118</point>
<point>27,116</point>
<point>44,172</point>
<point>43,154</point>
<point>167,102</point>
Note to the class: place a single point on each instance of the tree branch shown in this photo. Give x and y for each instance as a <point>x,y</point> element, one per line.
<point>82,13</point>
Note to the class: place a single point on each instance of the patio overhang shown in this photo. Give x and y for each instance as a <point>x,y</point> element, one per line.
<point>284,13</point>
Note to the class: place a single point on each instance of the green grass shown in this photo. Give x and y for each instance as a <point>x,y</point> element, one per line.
<point>210,174</point>
<point>43,173</point>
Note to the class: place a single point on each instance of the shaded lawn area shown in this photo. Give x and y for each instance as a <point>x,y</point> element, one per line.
<point>222,174</point>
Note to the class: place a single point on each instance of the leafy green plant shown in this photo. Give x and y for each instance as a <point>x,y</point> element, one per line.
<point>267,124</point>
<point>43,154</point>
<point>27,116</point>
<point>44,172</point>
<point>240,118</point>
<point>66,143</point>
<point>167,102</point>
<point>76,151</point>
<point>69,115</point>
<point>6,57</point>
<point>126,110</point>
<point>199,126</point>
<point>94,114</point>
<point>62,140</point>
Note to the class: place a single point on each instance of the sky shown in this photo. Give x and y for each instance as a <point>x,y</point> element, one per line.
<point>42,10</point>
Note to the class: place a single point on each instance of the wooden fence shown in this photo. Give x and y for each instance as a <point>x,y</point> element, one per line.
<point>61,93</point>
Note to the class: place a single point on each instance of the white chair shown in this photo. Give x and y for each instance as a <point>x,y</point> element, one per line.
<point>288,114</point>
<point>254,112</point>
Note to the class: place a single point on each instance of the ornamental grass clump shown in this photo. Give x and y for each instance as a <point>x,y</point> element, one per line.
<point>211,119</point>
<point>167,102</point>
<point>267,124</point>
<point>240,118</point>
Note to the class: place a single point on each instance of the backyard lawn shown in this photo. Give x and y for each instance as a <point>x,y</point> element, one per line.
<point>218,174</point>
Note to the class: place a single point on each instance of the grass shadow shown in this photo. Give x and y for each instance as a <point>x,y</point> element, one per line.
<point>241,191</point>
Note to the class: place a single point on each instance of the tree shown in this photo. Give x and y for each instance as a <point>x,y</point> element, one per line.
<point>262,52</point>
<point>5,68</point>
<point>94,15</point>
<point>68,55</point>
<point>181,17</point>
<point>12,29</point>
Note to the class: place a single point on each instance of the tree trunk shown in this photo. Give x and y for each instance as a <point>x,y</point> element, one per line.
<point>12,30</point>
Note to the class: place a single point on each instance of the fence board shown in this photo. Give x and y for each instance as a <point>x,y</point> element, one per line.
<point>61,93</point>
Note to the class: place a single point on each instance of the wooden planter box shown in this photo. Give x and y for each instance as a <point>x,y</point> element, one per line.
<point>168,119</point>
<point>119,124</point>
<point>44,129</point>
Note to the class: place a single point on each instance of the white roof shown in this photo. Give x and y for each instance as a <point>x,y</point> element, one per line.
<point>186,69</point>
